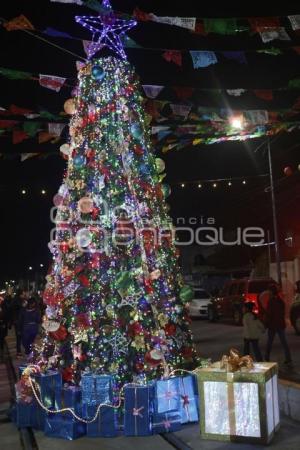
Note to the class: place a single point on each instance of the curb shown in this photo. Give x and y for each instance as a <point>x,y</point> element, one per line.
<point>289,398</point>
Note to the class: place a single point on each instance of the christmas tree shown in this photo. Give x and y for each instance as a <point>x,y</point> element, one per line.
<point>115,298</point>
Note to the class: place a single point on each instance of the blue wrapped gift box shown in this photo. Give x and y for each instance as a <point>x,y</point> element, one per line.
<point>106,423</point>
<point>29,415</point>
<point>167,396</point>
<point>168,422</point>
<point>69,397</point>
<point>50,384</point>
<point>138,410</point>
<point>188,399</point>
<point>64,428</point>
<point>96,389</point>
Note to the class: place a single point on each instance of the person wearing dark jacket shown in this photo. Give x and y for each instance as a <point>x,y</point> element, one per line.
<point>275,323</point>
<point>15,310</point>
<point>3,326</point>
<point>30,318</point>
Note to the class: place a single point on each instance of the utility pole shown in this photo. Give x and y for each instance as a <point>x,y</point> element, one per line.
<point>275,227</point>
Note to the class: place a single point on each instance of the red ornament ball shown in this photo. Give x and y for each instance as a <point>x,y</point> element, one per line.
<point>84,281</point>
<point>187,352</point>
<point>82,320</point>
<point>58,200</point>
<point>138,150</point>
<point>139,367</point>
<point>152,361</point>
<point>288,171</point>
<point>60,334</point>
<point>135,329</point>
<point>170,329</point>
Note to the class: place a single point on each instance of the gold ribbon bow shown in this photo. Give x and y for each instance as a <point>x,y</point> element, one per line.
<point>234,361</point>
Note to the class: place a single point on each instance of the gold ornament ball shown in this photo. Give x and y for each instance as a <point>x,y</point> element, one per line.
<point>69,106</point>
<point>107,329</point>
<point>155,274</point>
<point>160,165</point>
<point>85,205</point>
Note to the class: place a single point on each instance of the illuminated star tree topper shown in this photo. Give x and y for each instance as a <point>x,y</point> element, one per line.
<point>107,30</point>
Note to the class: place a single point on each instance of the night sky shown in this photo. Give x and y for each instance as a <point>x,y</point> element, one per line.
<point>25,220</point>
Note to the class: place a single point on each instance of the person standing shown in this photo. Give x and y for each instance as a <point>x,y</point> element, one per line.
<point>3,326</point>
<point>297,292</point>
<point>30,318</point>
<point>17,303</point>
<point>253,329</point>
<point>295,309</point>
<point>275,323</point>
<point>40,303</point>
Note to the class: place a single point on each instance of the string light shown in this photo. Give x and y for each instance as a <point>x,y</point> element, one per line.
<point>108,94</point>
<point>199,184</point>
<point>30,268</point>
<point>215,185</point>
<point>220,181</point>
<point>41,265</point>
<point>108,28</point>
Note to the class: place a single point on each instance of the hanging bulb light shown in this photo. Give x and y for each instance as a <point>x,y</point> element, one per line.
<point>237,122</point>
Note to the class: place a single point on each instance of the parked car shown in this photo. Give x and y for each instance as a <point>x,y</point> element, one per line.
<point>198,307</point>
<point>229,304</point>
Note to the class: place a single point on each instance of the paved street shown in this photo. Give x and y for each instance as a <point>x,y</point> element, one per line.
<point>215,339</point>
